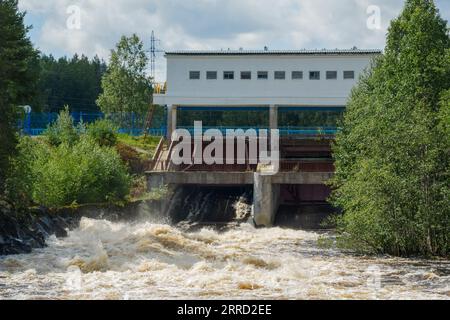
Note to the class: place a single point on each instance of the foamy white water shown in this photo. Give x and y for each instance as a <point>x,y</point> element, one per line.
<point>105,260</point>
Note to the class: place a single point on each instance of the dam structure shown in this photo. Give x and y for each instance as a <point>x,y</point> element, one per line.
<point>301,93</point>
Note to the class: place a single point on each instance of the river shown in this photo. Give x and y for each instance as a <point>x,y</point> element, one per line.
<point>150,260</point>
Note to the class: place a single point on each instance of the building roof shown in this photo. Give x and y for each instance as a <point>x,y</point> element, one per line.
<point>273,52</point>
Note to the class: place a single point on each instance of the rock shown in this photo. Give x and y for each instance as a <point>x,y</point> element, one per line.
<point>45,224</point>
<point>19,246</point>
<point>22,231</point>
<point>59,231</point>
<point>25,229</point>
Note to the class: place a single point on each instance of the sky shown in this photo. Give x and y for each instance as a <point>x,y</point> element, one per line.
<point>93,27</point>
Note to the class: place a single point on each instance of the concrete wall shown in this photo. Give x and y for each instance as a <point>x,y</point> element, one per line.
<point>266,189</point>
<point>183,91</point>
<point>156,179</point>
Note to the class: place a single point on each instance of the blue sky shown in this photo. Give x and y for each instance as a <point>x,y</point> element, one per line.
<point>209,24</point>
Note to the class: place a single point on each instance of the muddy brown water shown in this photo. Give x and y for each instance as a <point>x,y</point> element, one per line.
<point>152,260</point>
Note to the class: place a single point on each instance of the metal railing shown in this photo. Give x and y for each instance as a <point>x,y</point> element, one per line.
<point>160,88</point>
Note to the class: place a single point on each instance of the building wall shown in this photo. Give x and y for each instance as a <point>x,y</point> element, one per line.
<point>182,90</point>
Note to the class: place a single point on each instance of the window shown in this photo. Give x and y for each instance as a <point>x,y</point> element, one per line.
<point>314,75</point>
<point>228,75</point>
<point>211,75</point>
<point>331,75</point>
<point>246,75</point>
<point>297,75</point>
<point>194,75</point>
<point>349,74</point>
<point>280,75</point>
<point>263,75</point>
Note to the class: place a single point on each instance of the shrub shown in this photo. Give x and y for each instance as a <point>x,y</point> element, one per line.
<point>19,181</point>
<point>73,167</point>
<point>62,130</point>
<point>103,132</point>
<point>84,173</point>
<point>132,158</point>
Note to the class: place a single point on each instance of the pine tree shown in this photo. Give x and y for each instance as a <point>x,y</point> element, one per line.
<point>392,156</point>
<point>18,75</point>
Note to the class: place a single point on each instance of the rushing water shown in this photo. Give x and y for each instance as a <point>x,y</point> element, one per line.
<point>151,259</point>
<point>144,260</point>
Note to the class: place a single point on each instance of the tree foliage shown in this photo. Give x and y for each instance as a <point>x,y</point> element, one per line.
<point>72,166</point>
<point>17,78</point>
<point>75,82</point>
<point>83,173</point>
<point>63,130</point>
<point>126,86</point>
<point>392,156</point>
<point>103,131</point>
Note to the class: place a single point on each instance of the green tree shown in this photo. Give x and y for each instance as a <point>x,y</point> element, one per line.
<point>126,86</point>
<point>392,156</point>
<point>18,76</point>
<point>75,82</point>
<point>63,130</point>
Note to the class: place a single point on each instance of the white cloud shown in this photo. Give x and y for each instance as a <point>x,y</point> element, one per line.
<point>208,24</point>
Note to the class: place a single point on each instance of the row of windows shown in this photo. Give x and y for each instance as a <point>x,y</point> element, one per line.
<point>278,75</point>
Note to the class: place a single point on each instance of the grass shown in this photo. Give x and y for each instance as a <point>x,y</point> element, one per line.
<point>147,144</point>
<point>136,151</point>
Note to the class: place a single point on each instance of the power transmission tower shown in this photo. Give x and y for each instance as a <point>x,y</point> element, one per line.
<point>154,44</point>
<point>153,50</point>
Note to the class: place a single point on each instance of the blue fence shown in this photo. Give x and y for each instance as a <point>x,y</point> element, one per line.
<point>36,123</point>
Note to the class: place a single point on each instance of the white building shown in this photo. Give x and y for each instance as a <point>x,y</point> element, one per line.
<point>266,78</point>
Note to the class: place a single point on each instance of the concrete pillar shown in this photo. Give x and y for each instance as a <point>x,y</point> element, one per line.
<point>171,120</point>
<point>273,117</point>
<point>154,181</point>
<point>265,200</point>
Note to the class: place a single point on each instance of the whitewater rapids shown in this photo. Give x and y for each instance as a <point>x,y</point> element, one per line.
<point>144,260</point>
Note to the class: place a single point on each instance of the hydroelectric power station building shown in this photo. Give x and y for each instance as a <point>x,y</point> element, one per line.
<point>302,93</point>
